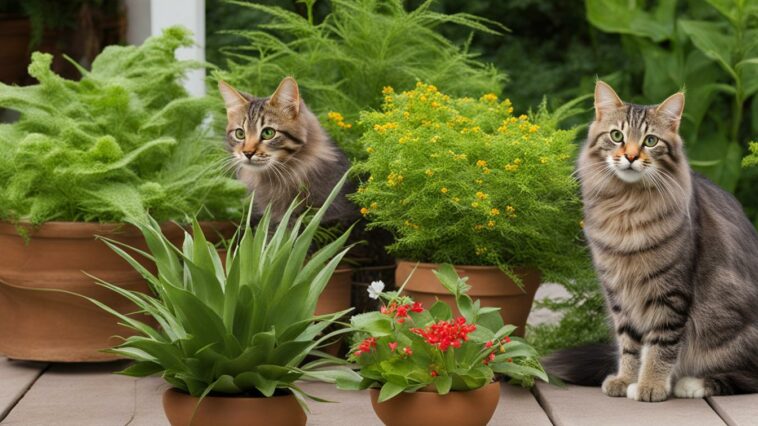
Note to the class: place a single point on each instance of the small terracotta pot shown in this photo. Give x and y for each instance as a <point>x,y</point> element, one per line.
<point>55,326</point>
<point>232,410</point>
<point>488,284</point>
<point>471,408</point>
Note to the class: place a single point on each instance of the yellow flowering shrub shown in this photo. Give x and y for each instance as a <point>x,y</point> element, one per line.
<point>462,180</point>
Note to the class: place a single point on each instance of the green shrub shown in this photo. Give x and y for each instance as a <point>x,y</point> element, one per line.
<point>343,62</point>
<point>124,140</point>
<point>243,328</point>
<point>463,181</point>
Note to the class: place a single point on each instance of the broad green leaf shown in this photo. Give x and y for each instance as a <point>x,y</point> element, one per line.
<point>390,390</point>
<point>443,384</point>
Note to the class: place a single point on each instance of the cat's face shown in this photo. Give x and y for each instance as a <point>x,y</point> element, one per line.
<point>635,143</point>
<point>262,133</point>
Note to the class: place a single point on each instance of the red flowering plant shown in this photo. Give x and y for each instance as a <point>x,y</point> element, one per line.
<point>405,346</point>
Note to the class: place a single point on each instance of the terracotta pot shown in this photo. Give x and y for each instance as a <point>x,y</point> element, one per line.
<point>488,284</point>
<point>471,408</point>
<point>54,326</point>
<point>232,410</point>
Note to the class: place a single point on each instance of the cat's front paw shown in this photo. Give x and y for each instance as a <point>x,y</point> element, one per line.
<point>615,386</point>
<point>647,392</point>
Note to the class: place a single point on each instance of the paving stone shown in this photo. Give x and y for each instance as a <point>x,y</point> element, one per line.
<point>15,379</point>
<point>737,410</point>
<point>77,395</point>
<point>587,406</point>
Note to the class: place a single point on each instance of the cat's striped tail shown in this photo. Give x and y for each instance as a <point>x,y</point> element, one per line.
<point>585,365</point>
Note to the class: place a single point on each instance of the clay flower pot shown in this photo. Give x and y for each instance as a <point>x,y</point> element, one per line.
<point>55,326</point>
<point>232,410</point>
<point>488,284</point>
<point>471,408</point>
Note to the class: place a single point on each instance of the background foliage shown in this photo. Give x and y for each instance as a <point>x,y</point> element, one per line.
<point>123,140</point>
<point>647,51</point>
<point>343,60</point>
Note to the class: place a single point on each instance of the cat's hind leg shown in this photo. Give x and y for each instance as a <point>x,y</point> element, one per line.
<point>692,387</point>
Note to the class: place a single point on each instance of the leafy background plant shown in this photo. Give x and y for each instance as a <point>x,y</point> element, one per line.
<point>124,140</point>
<point>342,61</point>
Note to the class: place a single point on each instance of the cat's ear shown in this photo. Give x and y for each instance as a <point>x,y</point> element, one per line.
<point>606,99</point>
<point>232,98</point>
<point>287,97</point>
<point>671,110</point>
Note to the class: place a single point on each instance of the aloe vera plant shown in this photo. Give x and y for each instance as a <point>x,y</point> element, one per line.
<point>240,328</point>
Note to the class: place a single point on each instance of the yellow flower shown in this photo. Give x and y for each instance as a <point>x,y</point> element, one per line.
<point>478,181</point>
<point>510,110</point>
<point>394,179</point>
<point>481,195</point>
<point>361,189</point>
<point>486,171</point>
<point>434,139</point>
<point>481,163</point>
<point>429,172</point>
<point>533,128</point>
<point>490,224</point>
<point>480,250</point>
<point>443,190</point>
<point>478,227</point>
<point>456,199</point>
<point>489,97</point>
<point>406,114</point>
<point>388,99</point>
<point>374,205</point>
<point>335,116</point>
<point>364,211</point>
<point>494,212</point>
<point>370,150</point>
<point>388,90</point>
<point>510,210</point>
<point>435,104</point>
<point>517,161</point>
<point>543,160</point>
<point>475,205</point>
<point>511,167</point>
<point>522,117</point>
<point>431,88</point>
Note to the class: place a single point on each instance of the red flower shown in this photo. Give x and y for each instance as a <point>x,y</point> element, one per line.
<point>489,359</point>
<point>393,346</point>
<point>507,339</point>
<point>445,334</point>
<point>408,351</point>
<point>488,344</point>
<point>400,320</point>
<point>402,311</point>
<point>434,373</point>
<point>366,345</point>
<point>417,307</point>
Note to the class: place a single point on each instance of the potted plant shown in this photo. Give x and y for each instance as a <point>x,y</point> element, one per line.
<point>84,158</point>
<point>233,338</point>
<point>428,366</point>
<point>464,181</point>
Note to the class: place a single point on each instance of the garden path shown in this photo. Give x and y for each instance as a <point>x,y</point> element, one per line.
<point>38,394</point>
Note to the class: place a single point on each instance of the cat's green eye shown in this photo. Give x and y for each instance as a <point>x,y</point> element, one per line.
<point>650,141</point>
<point>617,136</point>
<point>239,134</point>
<point>267,133</point>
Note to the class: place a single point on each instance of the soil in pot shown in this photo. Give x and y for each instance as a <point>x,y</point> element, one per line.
<point>232,410</point>
<point>471,408</point>
<point>43,325</point>
<point>488,284</point>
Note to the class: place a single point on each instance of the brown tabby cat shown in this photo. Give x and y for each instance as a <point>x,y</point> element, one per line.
<point>677,259</point>
<point>280,150</point>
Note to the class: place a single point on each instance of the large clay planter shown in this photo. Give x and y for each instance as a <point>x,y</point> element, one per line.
<point>488,284</point>
<point>232,410</point>
<point>471,408</point>
<point>54,326</point>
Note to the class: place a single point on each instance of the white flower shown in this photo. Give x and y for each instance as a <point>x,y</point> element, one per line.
<point>375,289</point>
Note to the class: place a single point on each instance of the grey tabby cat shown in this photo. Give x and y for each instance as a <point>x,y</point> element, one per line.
<point>280,150</point>
<point>677,259</point>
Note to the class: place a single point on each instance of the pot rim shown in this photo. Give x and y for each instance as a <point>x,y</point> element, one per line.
<point>85,230</point>
<point>434,391</point>
<point>429,265</point>
<point>235,397</point>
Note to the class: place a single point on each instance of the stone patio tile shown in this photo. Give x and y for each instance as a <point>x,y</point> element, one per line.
<point>77,395</point>
<point>737,410</point>
<point>15,379</point>
<point>587,406</point>
<point>518,407</point>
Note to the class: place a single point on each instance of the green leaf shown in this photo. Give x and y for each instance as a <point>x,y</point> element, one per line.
<point>443,384</point>
<point>441,311</point>
<point>390,390</point>
<point>713,40</point>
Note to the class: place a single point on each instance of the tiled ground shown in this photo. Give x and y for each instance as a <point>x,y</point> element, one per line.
<point>38,394</point>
